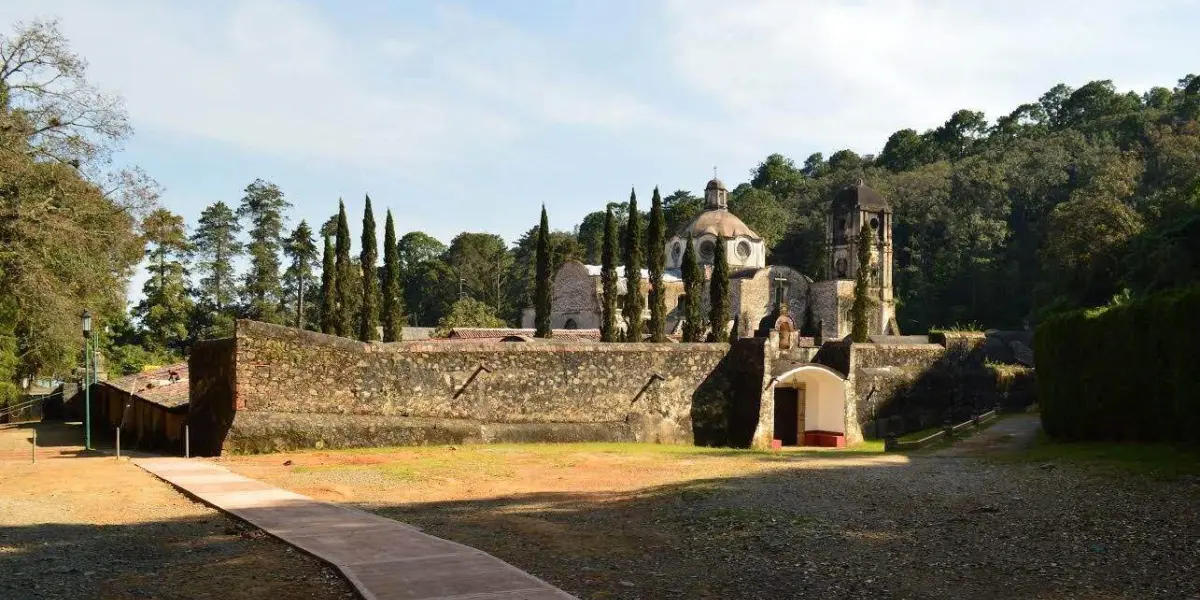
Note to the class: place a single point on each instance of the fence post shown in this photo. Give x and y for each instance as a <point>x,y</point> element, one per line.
<point>187,442</point>
<point>33,448</point>
<point>118,442</point>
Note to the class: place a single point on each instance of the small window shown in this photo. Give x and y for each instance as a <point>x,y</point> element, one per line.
<point>875,223</point>
<point>743,249</point>
<point>840,267</point>
<point>676,250</point>
<point>570,324</point>
<point>841,225</point>
<point>706,249</point>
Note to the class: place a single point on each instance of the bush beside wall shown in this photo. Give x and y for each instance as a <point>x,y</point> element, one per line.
<point>1123,373</point>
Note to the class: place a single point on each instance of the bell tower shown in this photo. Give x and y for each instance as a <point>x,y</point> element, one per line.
<point>853,207</point>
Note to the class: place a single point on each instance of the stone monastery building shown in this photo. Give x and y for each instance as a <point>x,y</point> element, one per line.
<point>761,296</point>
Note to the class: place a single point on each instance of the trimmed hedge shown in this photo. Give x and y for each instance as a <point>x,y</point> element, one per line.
<point>1123,373</point>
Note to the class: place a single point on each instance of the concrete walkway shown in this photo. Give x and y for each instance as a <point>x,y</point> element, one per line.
<point>384,559</point>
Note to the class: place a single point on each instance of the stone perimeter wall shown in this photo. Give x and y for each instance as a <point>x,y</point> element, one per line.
<point>292,389</point>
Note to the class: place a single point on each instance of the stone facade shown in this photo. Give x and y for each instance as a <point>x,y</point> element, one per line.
<point>754,285</point>
<point>275,388</point>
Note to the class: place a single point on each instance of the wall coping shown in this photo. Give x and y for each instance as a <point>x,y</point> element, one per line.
<point>247,327</point>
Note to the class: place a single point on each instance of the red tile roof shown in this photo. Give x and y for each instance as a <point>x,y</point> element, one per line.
<point>495,334</point>
<point>165,386</point>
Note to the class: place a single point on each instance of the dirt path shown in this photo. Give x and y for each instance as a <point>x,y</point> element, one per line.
<point>97,528</point>
<point>1012,432</point>
<point>640,521</point>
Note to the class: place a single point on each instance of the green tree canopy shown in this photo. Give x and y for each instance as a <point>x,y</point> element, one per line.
<point>263,206</point>
<point>468,312</point>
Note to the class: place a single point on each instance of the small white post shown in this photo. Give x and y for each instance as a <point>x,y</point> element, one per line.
<point>187,442</point>
<point>33,447</point>
<point>118,442</point>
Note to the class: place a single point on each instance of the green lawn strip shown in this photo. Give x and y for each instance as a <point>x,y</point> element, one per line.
<point>1158,461</point>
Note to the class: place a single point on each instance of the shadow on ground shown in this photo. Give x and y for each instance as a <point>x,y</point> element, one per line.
<point>929,528</point>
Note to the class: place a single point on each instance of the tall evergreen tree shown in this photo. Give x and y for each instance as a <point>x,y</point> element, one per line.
<point>368,319</point>
<point>718,295</point>
<point>393,300</point>
<point>541,289</point>
<point>860,320</point>
<point>608,279</point>
<point>693,283</point>
<point>301,251</point>
<point>655,263</point>
<point>634,303</point>
<point>263,206</point>
<point>165,309</point>
<point>214,246</point>
<point>328,293</point>
<point>343,281</point>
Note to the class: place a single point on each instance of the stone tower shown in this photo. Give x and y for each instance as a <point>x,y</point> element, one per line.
<point>852,207</point>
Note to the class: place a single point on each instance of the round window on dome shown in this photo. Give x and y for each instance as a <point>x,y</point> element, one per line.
<point>706,249</point>
<point>676,249</point>
<point>743,249</point>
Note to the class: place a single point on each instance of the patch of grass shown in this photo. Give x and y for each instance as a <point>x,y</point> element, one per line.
<point>1158,461</point>
<point>919,435</point>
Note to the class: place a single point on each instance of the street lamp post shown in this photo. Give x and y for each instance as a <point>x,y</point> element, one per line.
<point>87,388</point>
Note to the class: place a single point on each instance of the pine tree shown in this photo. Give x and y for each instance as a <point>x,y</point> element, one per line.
<point>655,262</point>
<point>860,331</point>
<point>541,293</point>
<point>693,282</point>
<point>166,307</point>
<point>393,301</point>
<point>302,253</point>
<point>718,294</point>
<point>328,293</point>
<point>634,303</point>
<point>214,246</point>
<point>343,281</point>
<point>608,279</point>
<point>263,205</point>
<point>368,319</point>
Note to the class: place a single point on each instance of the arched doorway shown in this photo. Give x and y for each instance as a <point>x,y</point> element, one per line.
<point>809,407</point>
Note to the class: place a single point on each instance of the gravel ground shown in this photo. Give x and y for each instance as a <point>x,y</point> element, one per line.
<point>81,528</point>
<point>643,524</point>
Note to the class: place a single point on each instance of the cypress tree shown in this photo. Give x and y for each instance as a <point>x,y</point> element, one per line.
<point>541,289</point>
<point>343,322</point>
<point>393,302</point>
<point>634,303</point>
<point>328,294</point>
<point>368,319</point>
<point>655,262</point>
<point>693,281</point>
<point>608,279</point>
<point>718,295</point>
<point>860,330</point>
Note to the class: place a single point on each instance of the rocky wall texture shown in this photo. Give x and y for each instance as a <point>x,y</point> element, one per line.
<point>212,394</point>
<point>297,389</point>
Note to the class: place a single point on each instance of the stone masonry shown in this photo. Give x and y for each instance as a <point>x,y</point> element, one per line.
<point>299,389</point>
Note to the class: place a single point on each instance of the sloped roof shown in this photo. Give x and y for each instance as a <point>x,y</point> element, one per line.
<point>494,334</point>
<point>165,386</point>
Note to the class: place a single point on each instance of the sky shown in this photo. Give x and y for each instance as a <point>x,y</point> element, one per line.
<point>468,116</point>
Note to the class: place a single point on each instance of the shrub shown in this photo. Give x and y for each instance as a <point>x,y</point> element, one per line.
<point>1126,372</point>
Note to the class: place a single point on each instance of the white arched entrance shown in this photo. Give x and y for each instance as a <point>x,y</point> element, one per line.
<point>808,407</point>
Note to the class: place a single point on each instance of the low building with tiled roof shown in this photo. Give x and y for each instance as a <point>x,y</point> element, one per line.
<point>150,407</point>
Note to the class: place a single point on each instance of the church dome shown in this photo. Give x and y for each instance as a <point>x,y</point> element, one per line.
<point>717,222</point>
<point>715,184</point>
<point>860,197</point>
